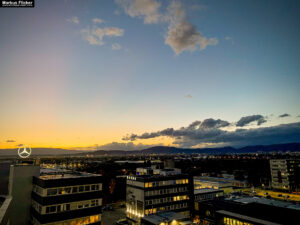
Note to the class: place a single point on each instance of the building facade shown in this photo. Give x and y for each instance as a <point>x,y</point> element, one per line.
<point>156,191</point>
<point>66,198</point>
<point>285,174</point>
<point>246,211</point>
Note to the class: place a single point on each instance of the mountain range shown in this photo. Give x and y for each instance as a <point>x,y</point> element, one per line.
<point>290,147</point>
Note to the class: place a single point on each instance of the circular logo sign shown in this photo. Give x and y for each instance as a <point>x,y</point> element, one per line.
<point>24,152</point>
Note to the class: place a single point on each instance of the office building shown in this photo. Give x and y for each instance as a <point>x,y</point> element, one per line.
<point>62,197</point>
<point>155,191</point>
<point>285,174</point>
<point>204,194</point>
<point>245,210</point>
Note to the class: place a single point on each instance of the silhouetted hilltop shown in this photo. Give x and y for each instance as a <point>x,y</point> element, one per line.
<point>290,147</point>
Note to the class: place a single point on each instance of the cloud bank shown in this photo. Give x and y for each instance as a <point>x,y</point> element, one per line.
<point>212,132</point>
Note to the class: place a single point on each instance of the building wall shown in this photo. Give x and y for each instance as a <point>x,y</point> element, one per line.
<point>150,195</point>
<point>4,211</point>
<point>20,188</point>
<point>285,174</point>
<point>72,200</point>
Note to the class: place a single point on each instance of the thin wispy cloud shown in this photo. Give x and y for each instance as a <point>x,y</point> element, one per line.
<point>95,35</point>
<point>116,46</point>
<point>73,20</point>
<point>97,20</point>
<point>188,96</point>
<point>10,141</point>
<point>124,146</point>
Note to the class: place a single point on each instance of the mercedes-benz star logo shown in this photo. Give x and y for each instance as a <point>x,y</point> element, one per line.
<point>24,152</point>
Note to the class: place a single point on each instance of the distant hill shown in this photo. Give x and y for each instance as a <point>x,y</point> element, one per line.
<point>40,151</point>
<point>290,147</point>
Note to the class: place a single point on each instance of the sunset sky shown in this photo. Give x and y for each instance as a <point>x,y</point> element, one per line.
<point>117,74</point>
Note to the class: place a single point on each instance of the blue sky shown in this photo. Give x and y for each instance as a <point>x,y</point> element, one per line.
<point>59,88</point>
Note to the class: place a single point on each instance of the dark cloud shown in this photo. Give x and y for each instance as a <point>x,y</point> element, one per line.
<point>194,124</point>
<point>211,123</point>
<point>284,115</point>
<point>171,132</point>
<point>283,133</point>
<point>210,132</point>
<point>249,119</point>
<point>10,141</point>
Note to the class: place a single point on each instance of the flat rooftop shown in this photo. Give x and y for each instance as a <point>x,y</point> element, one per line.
<point>166,216</point>
<point>271,202</point>
<point>52,174</point>
<point>206,191</point>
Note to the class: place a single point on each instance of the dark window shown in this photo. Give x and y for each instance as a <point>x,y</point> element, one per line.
<point>47,209</point>
<point>81,188</point>
<point>58,208</point>
<point>52,191</point>
<point>67,207</point>
<point>67,190</point>
<point>75,189</point>
<point>60,190</point>
<point>52,209</point>
<point>87,188</point>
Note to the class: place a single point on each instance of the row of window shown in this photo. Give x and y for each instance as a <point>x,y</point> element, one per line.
<point>207,196</point>
<point>166,191</point>
<point>166,182</point>
<point>66,190</point>
<point>166,208</point>
<point>66,206</point>
<point>168,199</point>
<point>231,221</point>
<point>76,221</point>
